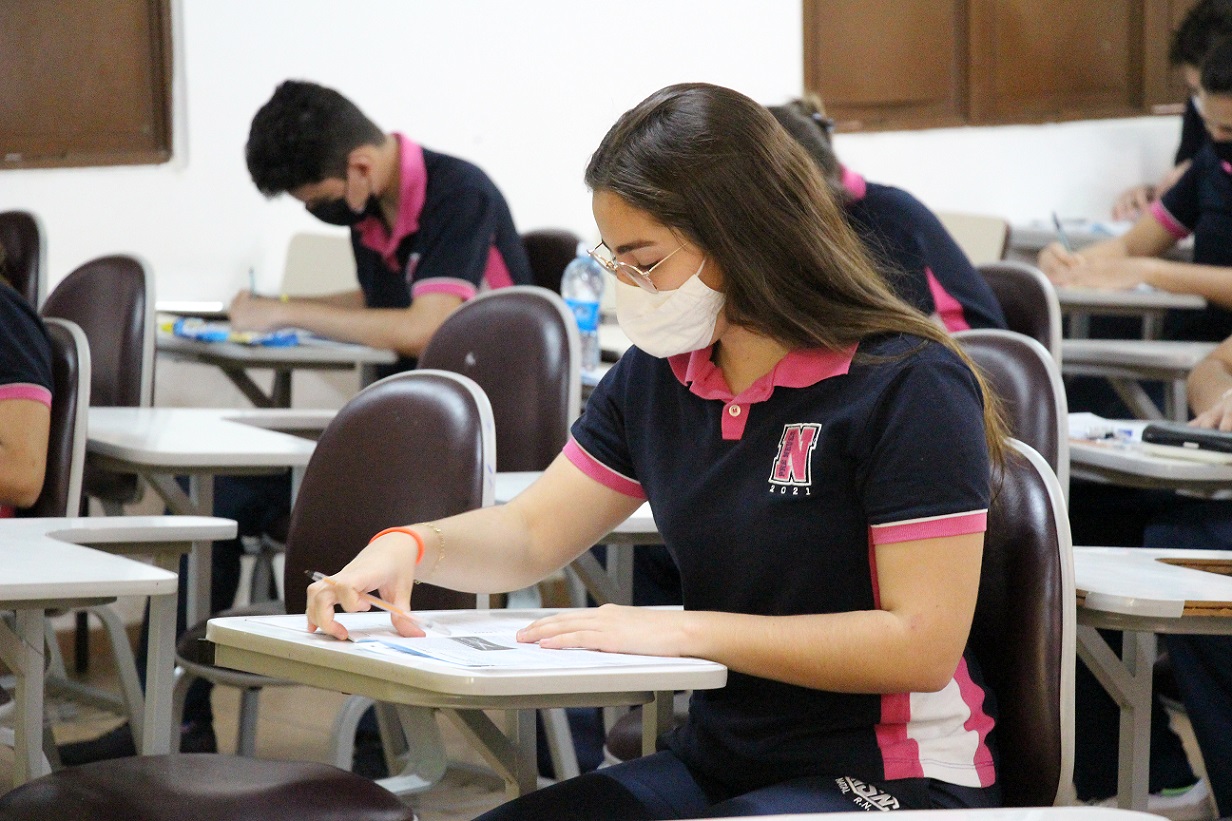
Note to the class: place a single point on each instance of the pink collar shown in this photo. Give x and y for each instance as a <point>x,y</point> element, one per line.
<point>412,193</point>
<point>799,369</point>
<point>854,183</point>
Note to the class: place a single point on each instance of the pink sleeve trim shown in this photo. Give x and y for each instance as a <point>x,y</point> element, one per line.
<point>600,472</point>
<point>26,390</point>
<point>445,285</point>
<point>933,527</point>
<point>1169,222</point>
<point>948,308</point>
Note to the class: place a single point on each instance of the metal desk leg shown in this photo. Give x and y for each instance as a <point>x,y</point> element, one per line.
<point>251,390</point>
<point>511,753</point>
<point>200,568</point>
<point>22,651</point>
<point>657,718</point>
<point>1129,681</point>
<point>159,677</point>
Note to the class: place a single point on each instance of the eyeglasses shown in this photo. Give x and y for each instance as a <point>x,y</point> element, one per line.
<point>640,278</point>
<point>825,123</point>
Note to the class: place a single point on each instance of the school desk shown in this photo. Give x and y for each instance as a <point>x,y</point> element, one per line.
<point>1126,363</point>
<point>235,360</point>
<point>285,650</point>
<point>44,564</point>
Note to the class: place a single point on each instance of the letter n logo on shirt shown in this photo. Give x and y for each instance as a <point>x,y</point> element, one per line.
<point>794,463</point>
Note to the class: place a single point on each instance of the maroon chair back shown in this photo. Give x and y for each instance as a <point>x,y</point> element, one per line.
<point>1028,301</point>
<point>520,345</point>
<point>70,371</point>
<point>413,447</point>
<point>24,243</point>
<point>111,298</point>
<point>1028,383</point>
<point>550,250</point>
<point>1023,628</point>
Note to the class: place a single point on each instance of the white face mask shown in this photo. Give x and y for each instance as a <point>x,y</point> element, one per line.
<point>669,322</point>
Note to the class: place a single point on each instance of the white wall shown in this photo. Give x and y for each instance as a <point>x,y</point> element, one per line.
<point>525,89</point>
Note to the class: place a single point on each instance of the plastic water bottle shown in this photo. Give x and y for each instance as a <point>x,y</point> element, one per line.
<point>582,287</point>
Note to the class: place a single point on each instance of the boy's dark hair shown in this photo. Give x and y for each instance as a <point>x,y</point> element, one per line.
<point>1205,24</point>
<point>303,135</point>
<point>1217,69</point>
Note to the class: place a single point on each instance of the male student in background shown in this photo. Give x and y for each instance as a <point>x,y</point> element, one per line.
<point>428,231</point>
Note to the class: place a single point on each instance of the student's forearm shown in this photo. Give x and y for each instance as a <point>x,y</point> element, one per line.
<point>867,651</point>
<point>1209,381</point>
<point>1212,282</point>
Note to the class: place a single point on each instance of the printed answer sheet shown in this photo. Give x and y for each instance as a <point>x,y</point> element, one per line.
<point>474,639</point>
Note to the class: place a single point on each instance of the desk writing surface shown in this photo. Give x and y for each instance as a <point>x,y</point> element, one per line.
<point>641,523</point>
<point>287,637</point>
<point>1139,581</point>
<point>1127,301</point>
<point>1133,466</point>
<point>322,353</point>
<point>1147,354</point>
<point>51,559</point>
<point>194,438</point>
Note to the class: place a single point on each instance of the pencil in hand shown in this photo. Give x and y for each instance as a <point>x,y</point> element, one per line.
<point>388,607</point>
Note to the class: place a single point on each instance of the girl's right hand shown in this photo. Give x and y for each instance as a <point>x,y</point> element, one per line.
<point>387,566</point>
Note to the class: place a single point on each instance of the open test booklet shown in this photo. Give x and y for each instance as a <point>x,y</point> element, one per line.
<point>471,639</point>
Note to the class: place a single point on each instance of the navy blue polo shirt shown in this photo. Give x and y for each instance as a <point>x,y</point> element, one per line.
<point>454,234</point>
<point>1200,203</point>
<point>1193,133</point>
<point>921,260</point>
<point>25,355</point>
<point>771,503</point>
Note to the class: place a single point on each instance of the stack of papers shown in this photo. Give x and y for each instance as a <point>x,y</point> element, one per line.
<point>474,639</point>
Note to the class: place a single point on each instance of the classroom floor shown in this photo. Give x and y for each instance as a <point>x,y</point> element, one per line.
<point>295,723</point>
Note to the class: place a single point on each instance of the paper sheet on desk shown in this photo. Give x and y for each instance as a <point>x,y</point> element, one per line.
<point>478,638</point>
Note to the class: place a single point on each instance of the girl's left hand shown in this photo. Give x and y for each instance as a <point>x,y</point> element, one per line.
<point>1107,274</point>
<point>612,628</point>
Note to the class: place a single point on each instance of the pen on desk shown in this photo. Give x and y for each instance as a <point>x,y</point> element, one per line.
<point>252,281</point>
<point>318,576</point>
<point>1061,233</point>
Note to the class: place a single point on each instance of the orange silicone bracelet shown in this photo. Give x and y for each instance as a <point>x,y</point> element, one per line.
<point>418,540</point>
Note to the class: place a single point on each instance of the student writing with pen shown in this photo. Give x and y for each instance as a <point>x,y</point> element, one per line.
<point>818,454</point>
<point>1200,203</point>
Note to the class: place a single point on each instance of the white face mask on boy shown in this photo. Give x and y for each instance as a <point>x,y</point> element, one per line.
<point>669,322</point>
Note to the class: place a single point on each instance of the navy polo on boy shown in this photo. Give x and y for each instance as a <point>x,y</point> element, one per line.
<point>926,267</point>
<point>1200,203</point>
<point>771,503</point>
<point>454,235</point>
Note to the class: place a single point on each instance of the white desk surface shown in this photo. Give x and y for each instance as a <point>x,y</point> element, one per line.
<point>1132,466</point>
<point>203,437</point>
<point>43,559</point>
<point>1139,581</point>
<point>1145,354</point>
<point>322,353</point>
<point>1101,301</point>
<point>259,637</point>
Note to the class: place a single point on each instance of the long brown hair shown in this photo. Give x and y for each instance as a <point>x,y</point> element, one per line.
<point>715,165</point>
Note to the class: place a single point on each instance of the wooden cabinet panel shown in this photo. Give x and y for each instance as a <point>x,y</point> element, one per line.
<point>912,63</point>
<point>88,82</point>
<point>1033,59</point>
<point>887,60</point>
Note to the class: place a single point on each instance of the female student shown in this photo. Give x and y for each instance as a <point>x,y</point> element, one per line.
<point>922,261</point>
<point>25,399</point>
<point>1200,203</point>
<point>827,512</point>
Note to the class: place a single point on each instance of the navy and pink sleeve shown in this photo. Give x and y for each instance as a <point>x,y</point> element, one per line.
<point>926,470</point>
<point>598,445</point>
<point>455,253</point>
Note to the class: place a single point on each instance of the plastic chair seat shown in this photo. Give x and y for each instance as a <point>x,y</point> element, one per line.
<point>201,787</point>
